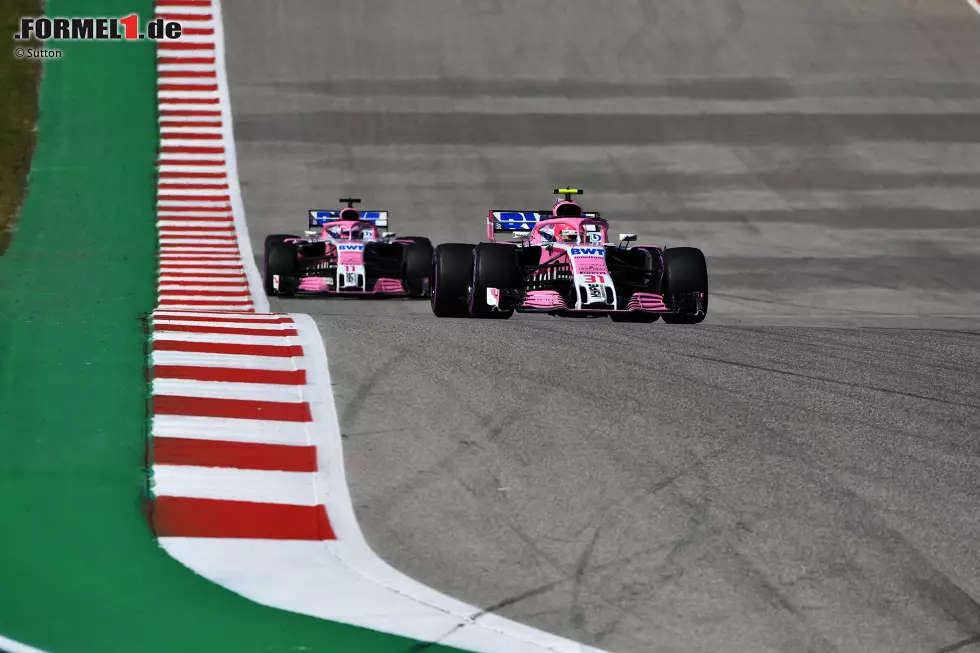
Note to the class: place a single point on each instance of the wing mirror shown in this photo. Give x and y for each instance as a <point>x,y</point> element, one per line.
<point>627,237</point>
<point>387,234</point>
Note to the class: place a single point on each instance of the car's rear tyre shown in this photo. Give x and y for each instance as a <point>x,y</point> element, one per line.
<point>417,267</point>
<point>686,272</point>
<point>280,259</point>
<point>452,267</point>
<point>494,266</point>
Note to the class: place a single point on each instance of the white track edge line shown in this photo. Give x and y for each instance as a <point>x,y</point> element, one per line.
<point>11,646</point>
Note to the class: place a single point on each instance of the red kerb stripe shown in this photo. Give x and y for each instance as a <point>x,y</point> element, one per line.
<point>190,112</point>
<point>192,149</point>
<point>190,123</point>
<point>183,3</point>
<point>195,218</point>
<point>201,209</point>
<point>186,60</point>
<point>273,411</point>
<point>269,351</point>
<point>185,517</point>
<point>168,229</point>
<point>237,455</point>
<point>190,100</point>
<point>191,174</point>
<point>187,87</point>
<point>241,296</point>
<point>182,17</point>
<point>230,374</point>
<point>197,185</point>
<point>190,136</point>
<point>194,198</point>
<point>186,73</point>
<point>177,45</point>
<point>213,163</point>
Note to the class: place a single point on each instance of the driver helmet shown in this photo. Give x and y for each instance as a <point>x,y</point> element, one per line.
<point>566,233</point>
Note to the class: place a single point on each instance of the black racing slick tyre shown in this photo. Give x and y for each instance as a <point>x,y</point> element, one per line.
<point>495,265</point>
<point>280,260</point>
<point>417,267</point>
<point>686,273</point>
<point>276,238</point>
<point>452,267</point>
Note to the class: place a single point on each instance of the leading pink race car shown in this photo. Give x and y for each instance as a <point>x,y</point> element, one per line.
<point>344,253</point>
<point>562,263</point>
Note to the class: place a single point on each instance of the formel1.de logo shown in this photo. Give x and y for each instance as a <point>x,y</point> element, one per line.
<point>43,28</point>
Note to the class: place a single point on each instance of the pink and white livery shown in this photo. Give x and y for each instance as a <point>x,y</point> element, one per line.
<point>561,262</point>
<point>347,252</point>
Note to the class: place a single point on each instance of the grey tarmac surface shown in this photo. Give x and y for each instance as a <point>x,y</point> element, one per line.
<point>798,473</point>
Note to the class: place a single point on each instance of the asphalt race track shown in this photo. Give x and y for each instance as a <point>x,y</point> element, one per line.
<point>799,473</point>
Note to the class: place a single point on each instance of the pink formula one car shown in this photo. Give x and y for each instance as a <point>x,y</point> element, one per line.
<point>561,263</point>
<point>344,254</point>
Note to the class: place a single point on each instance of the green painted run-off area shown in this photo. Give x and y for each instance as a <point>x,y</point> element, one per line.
<point>79,570</point>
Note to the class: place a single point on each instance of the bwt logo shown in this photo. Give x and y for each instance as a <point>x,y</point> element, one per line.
<point>350,248</point>
<point>587,251</point>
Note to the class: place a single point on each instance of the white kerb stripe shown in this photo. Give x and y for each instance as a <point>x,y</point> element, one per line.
<point>206,10</point>
<point>272,327</point>
<point>290,394</point>
<point>195,192</point>
<point>186,67</point>
<point>292,488</point>
<point>227,338</point>
<point>229,430</point>
<point>211,306</point>
<point>189,287</point>
<point>168,313</point>
<point>187,106</point>
<point>236,361</point>
<point>191,268</point>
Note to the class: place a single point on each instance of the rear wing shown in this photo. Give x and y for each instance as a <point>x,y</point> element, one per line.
<point>520,223</point>
<point>320,218</point>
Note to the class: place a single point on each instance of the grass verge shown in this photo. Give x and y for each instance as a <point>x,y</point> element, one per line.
<point>19,79</point>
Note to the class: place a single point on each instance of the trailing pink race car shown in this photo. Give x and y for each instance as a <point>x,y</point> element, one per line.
<point>561,263</point>
<point>344,253</point>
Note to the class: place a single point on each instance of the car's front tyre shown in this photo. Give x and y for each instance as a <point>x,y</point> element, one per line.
<point>280,261</point>
<point>685,274</point>
<point>452,266</point>
<point>495,265</point>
